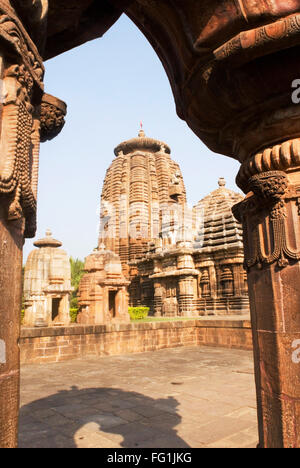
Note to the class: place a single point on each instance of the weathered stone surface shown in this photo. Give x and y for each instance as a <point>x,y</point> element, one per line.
<point>47,284</point>
<point>11,243</point>
<point>40,345</point>
<point>184,397</point>
<point>135,190</point>
<point>204,276</point>
<point>231,65</point>
<point>102,294</point>
<point>52,115</point>
<point>179,262</point>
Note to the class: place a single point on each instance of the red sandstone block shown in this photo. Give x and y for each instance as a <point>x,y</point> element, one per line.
<point>50,345</point>
<point>50,352</point>
<point>42,360</point>
<point>62,341</point>
<point>65,358</point>
<point>52,339</point>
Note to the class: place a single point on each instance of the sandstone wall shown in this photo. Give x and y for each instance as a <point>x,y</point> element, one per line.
<point>64,343</point>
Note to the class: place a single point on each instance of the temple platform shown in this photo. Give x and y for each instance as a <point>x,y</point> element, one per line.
<point>191,396</point>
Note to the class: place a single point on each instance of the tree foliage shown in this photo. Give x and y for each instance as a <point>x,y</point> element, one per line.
<point>77,272</point>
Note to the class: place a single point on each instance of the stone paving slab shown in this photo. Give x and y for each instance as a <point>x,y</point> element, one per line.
<point>173,398</point>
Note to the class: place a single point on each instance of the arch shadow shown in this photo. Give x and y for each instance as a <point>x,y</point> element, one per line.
<point>100,418</point>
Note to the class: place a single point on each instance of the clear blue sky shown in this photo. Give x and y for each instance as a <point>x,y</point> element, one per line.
<point>110,85</point>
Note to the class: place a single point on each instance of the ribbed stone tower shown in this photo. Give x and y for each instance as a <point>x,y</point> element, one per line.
<point>140,184</point>
<point>218,228</point>
<point>219,254</point>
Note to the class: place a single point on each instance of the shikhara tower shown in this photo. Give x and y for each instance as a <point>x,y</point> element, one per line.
<point>141,184</point>
<point>178,261</point>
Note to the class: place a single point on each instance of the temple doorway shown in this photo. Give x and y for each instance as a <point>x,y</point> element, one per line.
<point>112,303</point>
<point>55,308</point>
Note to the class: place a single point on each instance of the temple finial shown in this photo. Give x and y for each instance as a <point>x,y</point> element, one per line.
<point>141,132</point>
<point>222,182</point>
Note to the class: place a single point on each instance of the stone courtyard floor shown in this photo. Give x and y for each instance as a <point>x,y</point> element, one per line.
<point>172,398</point>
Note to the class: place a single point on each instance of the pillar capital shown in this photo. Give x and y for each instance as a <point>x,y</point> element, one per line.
<point>52,114</point>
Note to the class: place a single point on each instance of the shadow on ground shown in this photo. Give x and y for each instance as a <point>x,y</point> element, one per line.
<point>100,417</point>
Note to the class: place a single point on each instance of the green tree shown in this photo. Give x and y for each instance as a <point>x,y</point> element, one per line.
<point>76,275</point>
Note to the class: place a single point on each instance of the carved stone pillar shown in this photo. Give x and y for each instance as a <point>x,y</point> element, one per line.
<point>11,244</point>
<point>271,220</point>
<point>187,296</point>
<point>158,298</point>
<point>21,75</point>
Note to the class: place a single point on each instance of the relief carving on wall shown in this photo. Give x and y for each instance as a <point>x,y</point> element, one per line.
<point>53,112</point>
<point>22,91</point>
<point>22,88</point>
<point>268,237</point>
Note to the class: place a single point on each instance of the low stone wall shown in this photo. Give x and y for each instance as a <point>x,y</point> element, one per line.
<point>228,333</point>
<point>53,344</point>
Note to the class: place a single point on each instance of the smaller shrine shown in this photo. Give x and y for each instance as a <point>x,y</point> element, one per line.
<point>47,284</point>
<point>195,267</point>
<point>102,294</point>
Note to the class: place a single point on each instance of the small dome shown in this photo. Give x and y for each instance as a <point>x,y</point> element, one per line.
<point>142,143</point>
<point>216,226</point>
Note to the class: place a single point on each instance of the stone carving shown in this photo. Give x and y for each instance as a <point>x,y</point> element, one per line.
<point>47,290</point>
<point>230,64</point>
<point>22,34</point>
<point>52,114</point>
<point>103,296</point>
<point>171,258</point>
<point>176,272</point>
<point>205,284</point>
<point>207,274</point>
<point>277,158</point>
<point>271,195</point>
<point>271,37</point>
<point>175,180</point>
<point>135,190</point>
<point>226,281</point>
<point>22,89</point>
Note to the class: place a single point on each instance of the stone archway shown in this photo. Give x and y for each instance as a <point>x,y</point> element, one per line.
<point>231,67</point>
